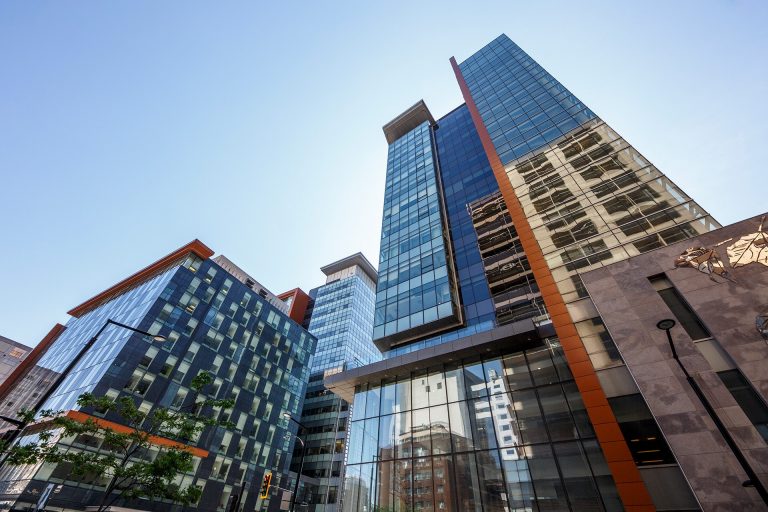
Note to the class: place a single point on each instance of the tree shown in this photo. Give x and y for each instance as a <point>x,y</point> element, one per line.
<point>125,454</point>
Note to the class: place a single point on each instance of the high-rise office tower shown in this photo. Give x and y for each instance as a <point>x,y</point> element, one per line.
<point>215,318</point>
<point>494,392</point>
<point>341,318</point>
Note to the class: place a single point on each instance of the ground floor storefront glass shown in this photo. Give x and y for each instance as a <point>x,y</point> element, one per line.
<point>503,433</point>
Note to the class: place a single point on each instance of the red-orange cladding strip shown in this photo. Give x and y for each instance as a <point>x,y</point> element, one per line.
<point>629,483</point>
<point>32,358</point>
<point>195,247</point>
<point>81,417</point>
<point>299,304</point>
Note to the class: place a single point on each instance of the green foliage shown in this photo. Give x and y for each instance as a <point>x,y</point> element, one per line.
<point>125,456</point>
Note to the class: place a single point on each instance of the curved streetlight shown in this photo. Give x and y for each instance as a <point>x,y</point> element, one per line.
<point>666,325</point>
<point>288,417</point>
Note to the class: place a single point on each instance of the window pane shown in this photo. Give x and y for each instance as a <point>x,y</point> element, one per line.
<point>373,396</point>
<point>420,389</point>
<point>519,486</point>
<point>386,433</point>
<point>355,442</point>
<point>402,486</point>
<point>516,370</point>
<point>529,417</point>
<point>403,394</point>
<point>388,398</point>
<point>370,438</point>
<point>748,399</point>
<point>461,427</point>
<point>556,413</point>
<point>475,380</point>
<point>467,483</point>
<point>454,385</point>
<point>494,376</point>
<point>385,480</point>
<point>482,424</point>
<point>578,410</point>
<point>436,382</point>
<point>423,485</point>
<point>402,434</point>
<point>546,480</point>
<point>542,368</point>
<point>441,436</point>
<point>577,476</point>
<point>442,475</point>
<point>420,432</point>
<point>492,489</point>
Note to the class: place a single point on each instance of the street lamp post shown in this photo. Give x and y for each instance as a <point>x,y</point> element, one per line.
<point>63,375</point>
<point>292,506</point>
<point>666,325</point>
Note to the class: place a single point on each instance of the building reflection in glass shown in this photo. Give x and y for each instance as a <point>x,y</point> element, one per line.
<point>502,434</point>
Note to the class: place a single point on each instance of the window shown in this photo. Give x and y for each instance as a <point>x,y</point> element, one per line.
<point>748,399</point>
<point>645,440</point>
<point>688,319</point>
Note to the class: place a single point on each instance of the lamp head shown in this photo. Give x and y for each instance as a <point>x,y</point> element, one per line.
<point>666,324</point>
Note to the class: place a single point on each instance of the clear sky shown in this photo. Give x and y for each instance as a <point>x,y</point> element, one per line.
<point>129,128</point>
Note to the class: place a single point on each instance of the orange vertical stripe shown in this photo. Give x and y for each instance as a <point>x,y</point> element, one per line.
<point>630,485</point>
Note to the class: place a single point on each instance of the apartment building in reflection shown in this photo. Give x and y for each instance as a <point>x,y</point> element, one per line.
<point>493,213</point>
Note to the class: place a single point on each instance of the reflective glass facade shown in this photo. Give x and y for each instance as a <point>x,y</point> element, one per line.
<point>537,190</point>
<point>342,322</point>
<point>500,434</point>
<point>213,323</point>
<point>522,106</point>
<point>415,286</point>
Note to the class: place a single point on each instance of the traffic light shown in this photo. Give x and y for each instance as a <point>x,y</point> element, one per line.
<point>265,485</point>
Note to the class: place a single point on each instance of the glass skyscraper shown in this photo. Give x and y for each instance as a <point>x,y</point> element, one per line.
<point>501,388</point>
<point>341,318</point>
<point>215,319</point>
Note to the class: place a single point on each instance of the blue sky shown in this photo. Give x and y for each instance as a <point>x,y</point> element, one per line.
<point>130,128</point>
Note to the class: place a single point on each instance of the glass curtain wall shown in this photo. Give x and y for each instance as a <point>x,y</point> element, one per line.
<point>505,433</point>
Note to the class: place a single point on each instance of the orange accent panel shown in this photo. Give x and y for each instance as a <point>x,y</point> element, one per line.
<point>616,450</point>
<point>577,354</point>
<point>299,305</point>
<point>594,398</point>
<point>32,358</point>
<point>195,247</point>
<point>81,417</point>
<point>588,383</point>
<point>609,432</point>
<point>561,319</point>
<point>638,495</point>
